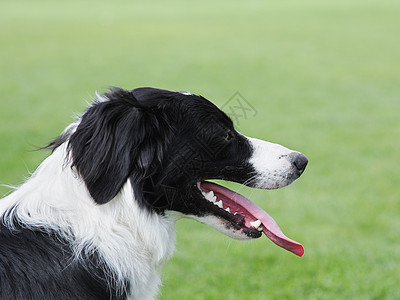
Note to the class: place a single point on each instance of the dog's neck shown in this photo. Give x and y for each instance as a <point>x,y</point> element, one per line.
<point>128,238</point>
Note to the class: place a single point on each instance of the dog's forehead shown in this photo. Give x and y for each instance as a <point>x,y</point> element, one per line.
<point>201,108</point>
<point>196,106</point>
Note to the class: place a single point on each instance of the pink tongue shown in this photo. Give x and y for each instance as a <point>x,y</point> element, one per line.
<point>272,230</point>
<point>270,227</point>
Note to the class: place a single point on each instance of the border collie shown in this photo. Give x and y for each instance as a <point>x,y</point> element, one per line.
<point>97,218</point>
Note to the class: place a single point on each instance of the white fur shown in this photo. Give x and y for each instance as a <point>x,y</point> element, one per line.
<point>132,242</point>
<point>221,225</point>
<point>272,163</point>
<point>186,93</point>
<point>100,98</point>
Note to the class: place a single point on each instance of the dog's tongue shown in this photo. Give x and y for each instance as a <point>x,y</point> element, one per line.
<point>269,226</point>
<point>274,233</point>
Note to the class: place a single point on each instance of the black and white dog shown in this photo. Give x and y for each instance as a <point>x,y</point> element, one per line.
<point>97,218</point>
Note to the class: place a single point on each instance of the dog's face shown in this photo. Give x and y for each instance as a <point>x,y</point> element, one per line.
<point>168,144</point>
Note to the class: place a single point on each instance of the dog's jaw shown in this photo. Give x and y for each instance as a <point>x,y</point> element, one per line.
<point>274,166</point>
<point>239,218</point>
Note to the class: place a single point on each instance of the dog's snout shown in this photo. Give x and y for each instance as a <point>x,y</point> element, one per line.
<point>299,160</point>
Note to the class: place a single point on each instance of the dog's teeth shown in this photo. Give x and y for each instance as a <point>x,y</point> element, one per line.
<point>260,228</point>
<point>209,196</point>
<point>219,204</point>
<point>228,210</point>
<point>256,224</point>
<point>235,214</point>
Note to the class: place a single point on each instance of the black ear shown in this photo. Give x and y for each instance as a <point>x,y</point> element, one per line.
<point>114,140</point>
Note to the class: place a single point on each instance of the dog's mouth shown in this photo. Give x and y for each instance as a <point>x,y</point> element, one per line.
<point>245,216</point>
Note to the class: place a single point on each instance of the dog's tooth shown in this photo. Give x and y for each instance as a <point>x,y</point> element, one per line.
<point>256,224</point>
<point>235,214</point>
<point>214,199</point>
<point>219,204</point>
<point>209,195</point>
<point>228,210</point>
<point>260,228</point>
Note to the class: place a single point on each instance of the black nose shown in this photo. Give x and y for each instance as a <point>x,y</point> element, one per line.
<point>300,161</point>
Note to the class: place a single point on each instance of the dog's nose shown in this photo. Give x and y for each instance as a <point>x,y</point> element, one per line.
<point>300,161</point>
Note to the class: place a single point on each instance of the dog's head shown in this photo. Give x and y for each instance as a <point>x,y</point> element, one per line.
<point>167,144</point>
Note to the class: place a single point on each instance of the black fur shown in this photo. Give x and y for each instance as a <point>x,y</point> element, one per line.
<point>37,265</point>
<point>115,140</point>
<point>164,142</point>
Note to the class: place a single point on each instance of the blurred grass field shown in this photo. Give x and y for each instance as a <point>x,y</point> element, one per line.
<point>324,78</point>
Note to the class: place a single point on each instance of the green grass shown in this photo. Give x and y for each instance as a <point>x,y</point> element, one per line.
<point>324,79</point>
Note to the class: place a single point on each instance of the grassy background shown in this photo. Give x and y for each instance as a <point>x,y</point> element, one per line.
<point>324,79</point>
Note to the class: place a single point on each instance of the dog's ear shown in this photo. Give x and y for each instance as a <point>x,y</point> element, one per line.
<point>115,139</point>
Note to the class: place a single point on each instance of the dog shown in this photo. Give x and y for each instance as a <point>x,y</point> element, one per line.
<point>96,220</point>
